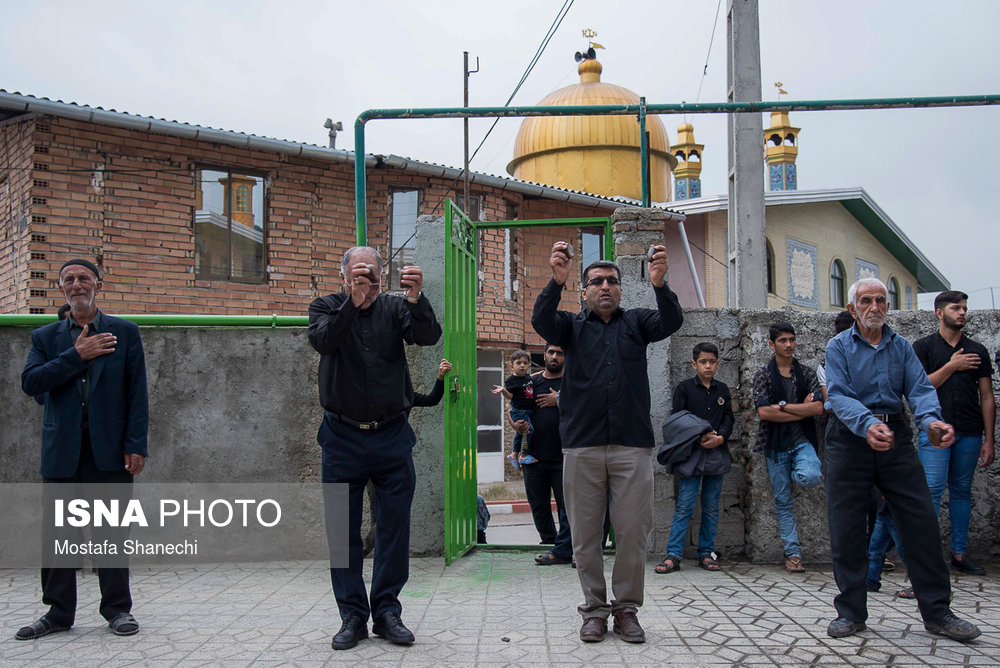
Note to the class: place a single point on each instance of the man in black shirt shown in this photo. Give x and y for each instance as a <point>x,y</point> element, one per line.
<point>604,422</point>
<point>960,369</point>
<point>365,389</point>
<point>544,480</point>
<point>788,398</point>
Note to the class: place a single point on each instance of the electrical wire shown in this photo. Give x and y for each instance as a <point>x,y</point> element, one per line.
<point>556,22</point>
<point>711,40</point>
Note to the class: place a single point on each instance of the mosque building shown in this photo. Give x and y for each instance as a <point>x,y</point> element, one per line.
<point>818,241</point>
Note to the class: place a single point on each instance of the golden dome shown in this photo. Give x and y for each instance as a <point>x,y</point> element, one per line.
<point>596,154</point>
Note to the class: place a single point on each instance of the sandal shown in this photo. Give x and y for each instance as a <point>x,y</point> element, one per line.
<point>668,565</point>
<point>709,563</point>
<point>794,565</point>
<point>906,593</point>
<point>512,458</point>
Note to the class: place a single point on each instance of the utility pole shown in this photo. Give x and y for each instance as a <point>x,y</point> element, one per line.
<point>465,129</point>
<point>747,244</point>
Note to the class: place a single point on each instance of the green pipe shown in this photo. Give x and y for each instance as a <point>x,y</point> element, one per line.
<point>164,320</point>
<point>360,194</point>
<point>360,187</point>
<point>562,222</point>
<point>643,153</point>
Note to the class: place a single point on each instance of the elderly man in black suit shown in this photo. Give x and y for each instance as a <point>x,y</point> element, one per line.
<point>92,368</point>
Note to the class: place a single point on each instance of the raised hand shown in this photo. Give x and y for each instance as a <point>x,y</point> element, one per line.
<point>560,261</point>
<point>658,266</point>
<point>361,281</point>
<point>412,280</point>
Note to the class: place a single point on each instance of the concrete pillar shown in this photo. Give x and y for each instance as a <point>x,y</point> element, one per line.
<point>427,525</point>
<point>747,245</point>
<point>635,230</point>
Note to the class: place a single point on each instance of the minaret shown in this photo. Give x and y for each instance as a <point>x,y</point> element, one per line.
<point>239,198</point>
<point>687,173</point>
<point>781,145</point>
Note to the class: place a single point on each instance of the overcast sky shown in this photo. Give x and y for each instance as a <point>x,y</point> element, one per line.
<point>280,69</point>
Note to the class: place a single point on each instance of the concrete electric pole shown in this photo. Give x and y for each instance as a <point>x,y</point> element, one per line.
<point>747,245</point>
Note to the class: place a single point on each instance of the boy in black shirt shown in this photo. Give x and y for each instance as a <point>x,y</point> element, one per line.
<point>520,391</point>
<point>710,400</point>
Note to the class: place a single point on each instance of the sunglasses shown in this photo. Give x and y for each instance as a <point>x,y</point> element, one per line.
<point>598,282</point>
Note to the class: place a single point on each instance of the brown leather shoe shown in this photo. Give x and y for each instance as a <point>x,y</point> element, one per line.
<point>593,629</point>
<point>627,626</point>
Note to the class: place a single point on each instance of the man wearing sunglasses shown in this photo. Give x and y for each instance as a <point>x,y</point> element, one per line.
<point>606,431</point>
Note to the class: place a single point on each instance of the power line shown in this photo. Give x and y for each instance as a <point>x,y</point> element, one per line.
<point>556,22</point>
<point>711,40</point>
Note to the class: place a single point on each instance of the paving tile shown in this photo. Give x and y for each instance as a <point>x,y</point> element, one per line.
<point>283,614</point>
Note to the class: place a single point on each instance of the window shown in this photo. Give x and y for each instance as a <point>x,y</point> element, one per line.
<point>837,284</point>
<point>893,294</point>
<point>242,199</point>
<point>404,208</point>
<point>490,418</point>
<point>770,268</point>
<point>592,248</point>
<point>229,226</point>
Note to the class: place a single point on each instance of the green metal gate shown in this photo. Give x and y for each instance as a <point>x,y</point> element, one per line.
<point>460,407</point>
<point>460,412</point>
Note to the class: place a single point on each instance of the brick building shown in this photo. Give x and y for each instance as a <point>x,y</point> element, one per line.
<point>187,219</point>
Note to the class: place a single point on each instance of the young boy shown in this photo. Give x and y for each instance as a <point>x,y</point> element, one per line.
<point>710,400</point>
<point>519,390</point>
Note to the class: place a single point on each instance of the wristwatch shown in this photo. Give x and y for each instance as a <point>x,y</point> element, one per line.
<point>781,405</point>
<point>413,300</point>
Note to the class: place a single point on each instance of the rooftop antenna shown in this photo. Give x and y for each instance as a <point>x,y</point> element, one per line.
<point>334,128</point>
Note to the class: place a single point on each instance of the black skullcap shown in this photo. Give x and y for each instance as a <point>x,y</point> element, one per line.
<point>83,263</point>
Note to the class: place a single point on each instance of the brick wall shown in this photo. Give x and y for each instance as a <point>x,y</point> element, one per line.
<point>15,214</point>
<point>126,200</point>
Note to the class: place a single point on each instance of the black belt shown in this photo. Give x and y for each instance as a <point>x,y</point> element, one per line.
<point>364,426</point>
<point>889,417</point>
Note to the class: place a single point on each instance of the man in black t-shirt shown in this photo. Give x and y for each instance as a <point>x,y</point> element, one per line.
<point>960,369</point>
<point>543,481</point>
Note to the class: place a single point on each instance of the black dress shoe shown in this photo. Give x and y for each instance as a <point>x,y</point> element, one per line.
<point>842,627</point>
<point>38,628</point>
<point>353,630</point>
<point>966,565</point>
<point>952,627</point>
<point>391,627</point>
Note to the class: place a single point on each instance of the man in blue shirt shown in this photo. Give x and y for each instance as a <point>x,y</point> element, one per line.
<point>869,369</point>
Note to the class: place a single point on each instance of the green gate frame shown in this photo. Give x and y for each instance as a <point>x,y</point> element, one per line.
<point>461,265</point>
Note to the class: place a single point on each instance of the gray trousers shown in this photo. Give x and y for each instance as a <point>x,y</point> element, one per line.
<point>588,473</point>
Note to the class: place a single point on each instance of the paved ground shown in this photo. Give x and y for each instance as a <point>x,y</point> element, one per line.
<point>492,608</point>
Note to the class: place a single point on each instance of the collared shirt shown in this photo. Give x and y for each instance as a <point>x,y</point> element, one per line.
<point>712,403</point>
<point>605,389</point>
<point>862,379</point>
<point>363,373</point>
<point>959,395</point>
<point>764,395</point>
<point>83,381</point>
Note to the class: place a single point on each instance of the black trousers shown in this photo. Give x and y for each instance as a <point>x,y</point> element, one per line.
<point>385,457</point>
<point>59,584</point>
<point>543,481</point>
<point>852,467</point>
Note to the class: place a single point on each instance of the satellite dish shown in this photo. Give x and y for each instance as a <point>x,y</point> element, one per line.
<point>579,56</point>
